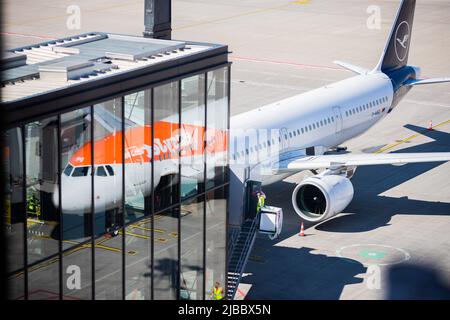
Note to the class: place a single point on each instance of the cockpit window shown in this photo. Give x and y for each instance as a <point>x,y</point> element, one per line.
<point>110,170</point>
<point>68,170</point>
<point>100,171</point>
<point>80,172</point>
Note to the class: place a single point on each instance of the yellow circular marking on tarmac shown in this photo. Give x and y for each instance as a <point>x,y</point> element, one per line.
<point>174,234</point>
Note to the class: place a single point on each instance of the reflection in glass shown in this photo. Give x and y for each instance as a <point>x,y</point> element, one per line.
<point>216,215</point>
<point>191,276</point>
<point>76,190</point>
<point>165,145</point>
<point>108,199</point>
<point>137,195</point>
<point>165,279</point>
<point>192,131</point>
<point>14,214</point>
<point>41,152</point>
<point>217,127</point>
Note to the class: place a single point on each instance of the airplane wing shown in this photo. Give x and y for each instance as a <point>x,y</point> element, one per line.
<point>415,82</point>
<point>109,120</point>
<point>351,67</point>
<point>349,160</point>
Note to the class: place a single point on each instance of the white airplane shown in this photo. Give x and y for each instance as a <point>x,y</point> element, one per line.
<point>306,126</point>
<point>267,144</point>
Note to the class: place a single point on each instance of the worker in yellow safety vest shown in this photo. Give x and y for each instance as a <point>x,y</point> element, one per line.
<point>261,201</point>
<point>217,292</point>
<point>33,205</point>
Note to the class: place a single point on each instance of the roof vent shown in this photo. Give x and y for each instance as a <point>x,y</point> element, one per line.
<point>64,70</point>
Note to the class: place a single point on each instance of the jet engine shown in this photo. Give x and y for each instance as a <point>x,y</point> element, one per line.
<point>321,197</point>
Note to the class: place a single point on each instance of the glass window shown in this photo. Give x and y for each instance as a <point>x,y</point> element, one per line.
<point>110,170</point>
<point>166,274</point>
<point>216,215</point>
<point>68,170</point>
<point>108,200</point>
<point>167,135</point>
<point>14,218</point>
<point>42,203</point>
<point>100,171</point>
<point>217,127</point>
<point>81,171</point>
<point>138,142</point>
<point>191,273</point>
<point>192,135</point>
<point>76,204</point>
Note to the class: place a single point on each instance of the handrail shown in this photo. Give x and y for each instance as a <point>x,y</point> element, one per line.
<point>244,254</point>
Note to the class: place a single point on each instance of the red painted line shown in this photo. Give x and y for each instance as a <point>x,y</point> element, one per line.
<point>240,292</point>
<point>295,64</point>
<point>25,35</point>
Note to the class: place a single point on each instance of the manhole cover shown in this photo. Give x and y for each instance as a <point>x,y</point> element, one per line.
<point>370,254</point>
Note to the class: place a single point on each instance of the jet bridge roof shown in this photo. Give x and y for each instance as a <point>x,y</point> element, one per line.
<point>79,70</point>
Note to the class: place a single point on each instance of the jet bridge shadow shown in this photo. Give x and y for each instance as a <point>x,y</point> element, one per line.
<point>372,210</point>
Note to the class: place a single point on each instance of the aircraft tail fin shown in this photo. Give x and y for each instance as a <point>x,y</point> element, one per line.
<point>395,54</point>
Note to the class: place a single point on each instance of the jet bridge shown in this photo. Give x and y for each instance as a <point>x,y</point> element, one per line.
<point>267,221</point>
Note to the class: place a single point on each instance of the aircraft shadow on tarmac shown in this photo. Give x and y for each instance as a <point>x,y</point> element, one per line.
<point>415,282</point>
<point>305,275</point>
<point>299,274</point>
<point>296,274</point>
<point>371,181</point>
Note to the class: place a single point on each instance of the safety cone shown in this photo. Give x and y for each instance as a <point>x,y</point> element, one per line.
<point>302,231</point>
<point>430,126</point>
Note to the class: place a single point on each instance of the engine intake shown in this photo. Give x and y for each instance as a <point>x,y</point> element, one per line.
<point>321,197</point>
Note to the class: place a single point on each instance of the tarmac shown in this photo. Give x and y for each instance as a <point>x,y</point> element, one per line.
<point>392,241</point>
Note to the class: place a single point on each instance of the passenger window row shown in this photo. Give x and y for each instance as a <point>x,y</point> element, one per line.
<point>366,106</point>
<point>289,135</point>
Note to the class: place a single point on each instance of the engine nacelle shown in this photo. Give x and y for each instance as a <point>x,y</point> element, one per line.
<point>321,197</point>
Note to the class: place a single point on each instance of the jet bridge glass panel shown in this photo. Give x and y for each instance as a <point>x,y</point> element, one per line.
<point>124,198</point>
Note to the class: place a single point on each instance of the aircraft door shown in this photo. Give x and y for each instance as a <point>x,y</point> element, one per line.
<point>284,139</point>
<point>338,119</point>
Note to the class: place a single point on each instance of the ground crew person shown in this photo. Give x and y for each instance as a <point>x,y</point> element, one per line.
<point>217,292</point>
<point>261,201</point>
<point>33,205</point>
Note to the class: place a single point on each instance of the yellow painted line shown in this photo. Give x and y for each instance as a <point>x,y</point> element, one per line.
<point>301,2</point>
<point>135,235</point>
<point>231,17</point>
<point>163,240</point>
<point>101,246</point>
<point>147,229</point>
<point>174,234</point>
<point>410,137</point>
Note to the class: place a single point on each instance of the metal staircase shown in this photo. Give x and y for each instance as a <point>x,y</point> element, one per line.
<point>239,254</point>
